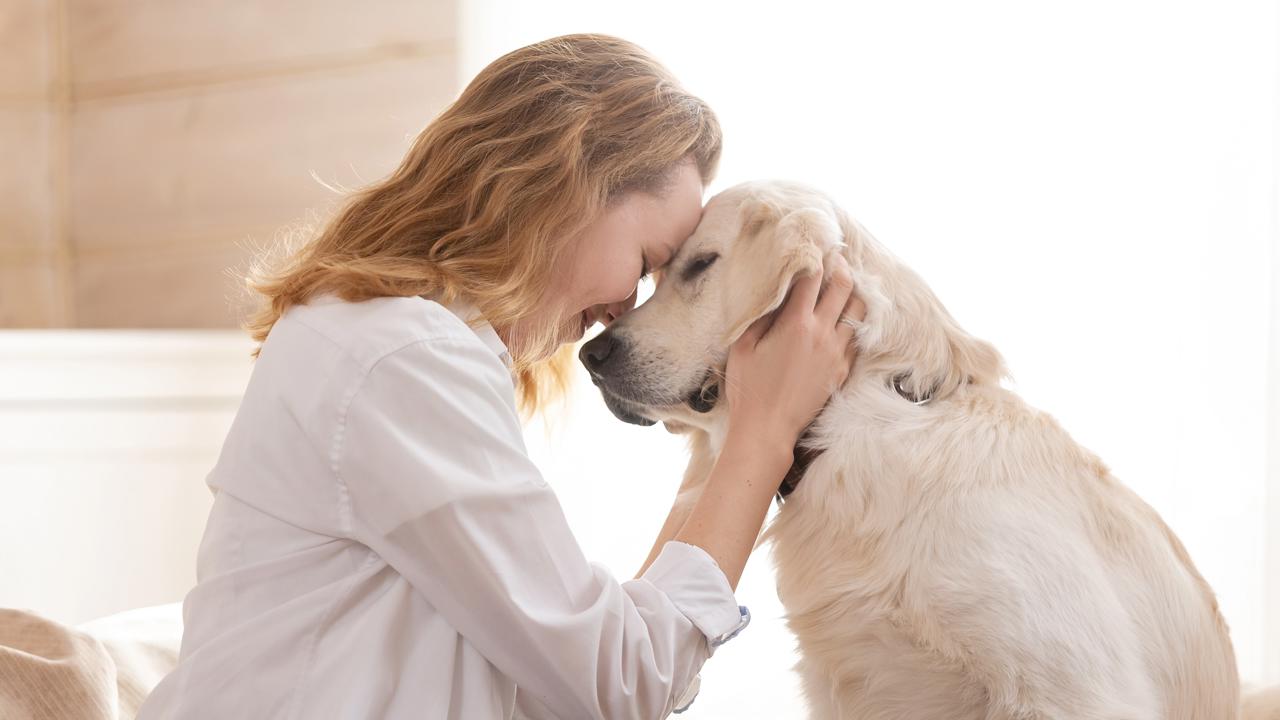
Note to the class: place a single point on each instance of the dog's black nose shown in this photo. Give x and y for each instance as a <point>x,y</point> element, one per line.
<point>597,353</point>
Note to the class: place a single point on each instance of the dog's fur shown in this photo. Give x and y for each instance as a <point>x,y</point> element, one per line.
<point>959,559</point>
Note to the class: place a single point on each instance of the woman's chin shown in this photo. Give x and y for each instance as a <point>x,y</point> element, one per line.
<point>576,327</point>
<point>569,332</point>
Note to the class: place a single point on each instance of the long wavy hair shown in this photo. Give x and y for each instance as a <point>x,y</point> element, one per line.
<point>494,190</point>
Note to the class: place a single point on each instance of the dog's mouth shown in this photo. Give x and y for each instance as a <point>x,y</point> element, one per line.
<point>703,398</point>
<point>623,409</point>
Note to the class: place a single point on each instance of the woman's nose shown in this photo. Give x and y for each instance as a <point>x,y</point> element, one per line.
<point>613,311</point>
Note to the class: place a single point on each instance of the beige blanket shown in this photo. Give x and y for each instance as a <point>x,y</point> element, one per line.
<point>102,670</point>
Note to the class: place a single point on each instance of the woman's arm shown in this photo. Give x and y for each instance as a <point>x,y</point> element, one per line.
<point>433,477</point>
<point>695,476</point>
<point>739,486</point>
<point>726,519</point>
<point>777,379</point>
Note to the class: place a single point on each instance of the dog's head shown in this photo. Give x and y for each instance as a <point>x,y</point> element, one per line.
<point>665,360</point>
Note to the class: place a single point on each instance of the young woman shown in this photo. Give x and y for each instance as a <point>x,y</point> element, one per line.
<point>380,545</point>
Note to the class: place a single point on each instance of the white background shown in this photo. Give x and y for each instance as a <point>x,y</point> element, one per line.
<point>1089,185</point>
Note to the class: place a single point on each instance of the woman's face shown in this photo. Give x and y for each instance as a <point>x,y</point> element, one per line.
<point>639,233</point>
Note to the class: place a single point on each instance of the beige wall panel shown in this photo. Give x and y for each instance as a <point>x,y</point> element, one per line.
<point>26,189</point>
<point>28,290</point>
<point>25,49</point>
<point>167,287</point>
<point>211,165</point>
<point>128,41</point>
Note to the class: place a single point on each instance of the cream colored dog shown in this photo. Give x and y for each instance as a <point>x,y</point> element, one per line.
<point>951,552</point>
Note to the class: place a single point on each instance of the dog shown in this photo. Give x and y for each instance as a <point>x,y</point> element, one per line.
<point>945,551</point>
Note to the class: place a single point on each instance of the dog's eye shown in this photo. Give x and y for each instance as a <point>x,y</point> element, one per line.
<point>698,266</point>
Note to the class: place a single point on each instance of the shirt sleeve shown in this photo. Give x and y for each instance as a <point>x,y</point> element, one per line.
<point>438,482</point>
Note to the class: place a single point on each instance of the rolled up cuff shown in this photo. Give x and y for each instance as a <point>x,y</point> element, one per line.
<point>699,589</point>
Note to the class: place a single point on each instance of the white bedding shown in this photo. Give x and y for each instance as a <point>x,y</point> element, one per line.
<point>99,670</point>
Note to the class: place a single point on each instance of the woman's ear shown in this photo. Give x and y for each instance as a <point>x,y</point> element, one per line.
<point>773,250</point>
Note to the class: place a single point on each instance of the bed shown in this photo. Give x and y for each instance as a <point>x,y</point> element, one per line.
<point>98,670</point>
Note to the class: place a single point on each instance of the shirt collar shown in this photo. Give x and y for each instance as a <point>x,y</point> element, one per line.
<point>469,314</point>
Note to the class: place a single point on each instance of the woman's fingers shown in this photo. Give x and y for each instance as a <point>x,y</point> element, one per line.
<point>804,295</point>
<point>836,296</point>
<point>849,311</point>
<point>808,297</point>
<point>755,331</point>
<point>854,309</point>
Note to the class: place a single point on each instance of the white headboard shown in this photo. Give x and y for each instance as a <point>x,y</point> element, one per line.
<point>105,441</point>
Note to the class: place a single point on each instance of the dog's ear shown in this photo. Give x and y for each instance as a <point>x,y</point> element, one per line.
<point>975,360</point>
<point>782,246</point>
<point>939,355</point>
<point>965,359</point>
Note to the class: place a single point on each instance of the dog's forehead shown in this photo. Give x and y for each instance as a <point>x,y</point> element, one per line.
<point>732,212</point>
<point>726,206</point>
<point>721,213</point>
<point>720,220</point>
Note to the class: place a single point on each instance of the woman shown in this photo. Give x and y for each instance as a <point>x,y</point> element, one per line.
<point>380,544</point>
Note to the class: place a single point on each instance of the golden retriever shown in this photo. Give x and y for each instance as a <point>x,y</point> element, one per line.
<point>950,552</point>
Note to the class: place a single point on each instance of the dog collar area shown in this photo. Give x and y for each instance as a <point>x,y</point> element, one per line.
<point>802,456</point>
<point>898,383</point>
<point>800,459</point>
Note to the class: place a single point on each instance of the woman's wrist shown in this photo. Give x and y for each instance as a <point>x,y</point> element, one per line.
<point>726,519</point>
<point>759,446</point>
<point>761,436</point>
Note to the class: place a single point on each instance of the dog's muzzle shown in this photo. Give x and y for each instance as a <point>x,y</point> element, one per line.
<point>601,356</point>
<point>625,411</point>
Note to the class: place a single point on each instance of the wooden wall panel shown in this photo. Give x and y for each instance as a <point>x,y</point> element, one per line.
<point>29,291</point>
<point>162,287</point>
<point>25,50</point>
<point>164,183</point>
<point>26,184</point>
<point>121,45</point>
<point>150,143</point>
<point>215,162</point>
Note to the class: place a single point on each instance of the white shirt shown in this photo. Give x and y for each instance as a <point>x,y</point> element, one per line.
<point>381,546</point>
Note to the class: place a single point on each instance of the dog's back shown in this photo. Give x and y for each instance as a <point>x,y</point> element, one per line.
<point>965,558</point>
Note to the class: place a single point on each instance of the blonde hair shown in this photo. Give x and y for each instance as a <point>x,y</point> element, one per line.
<point>491,192</point>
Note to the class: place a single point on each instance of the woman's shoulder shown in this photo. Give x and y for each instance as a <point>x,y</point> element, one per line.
<point>369,330</point>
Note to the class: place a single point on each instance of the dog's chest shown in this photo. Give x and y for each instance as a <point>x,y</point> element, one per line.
<point>833,536</point>
<point>838,551</point>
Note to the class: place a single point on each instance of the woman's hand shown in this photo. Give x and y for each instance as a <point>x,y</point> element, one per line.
<point>778,377</point>
<point>783,369</point>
